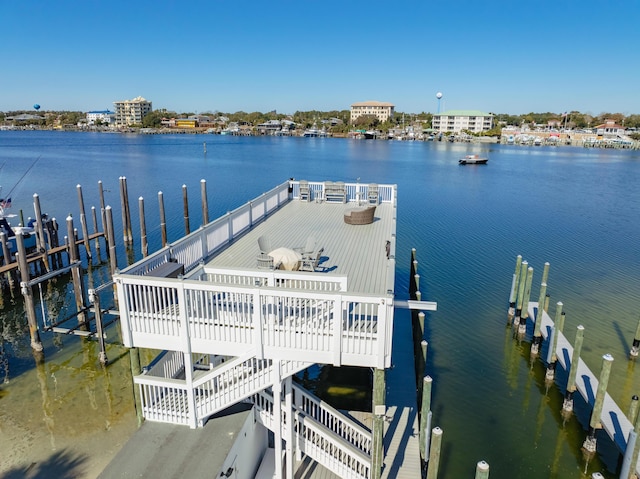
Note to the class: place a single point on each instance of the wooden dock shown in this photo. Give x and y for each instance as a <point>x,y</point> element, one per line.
<point>614,421</point>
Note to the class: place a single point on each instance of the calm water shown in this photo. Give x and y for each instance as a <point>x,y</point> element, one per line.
<point>577,209</point>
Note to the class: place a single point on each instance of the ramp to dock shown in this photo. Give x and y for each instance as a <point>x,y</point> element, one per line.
<point>401,438</point>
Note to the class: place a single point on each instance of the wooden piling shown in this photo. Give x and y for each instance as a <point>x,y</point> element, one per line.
<point>590,442</point>
<point>83,224</point>
<point>185,209</point>
<point>520,295</point>
<point>537,330</point>
<point>522,327</point>
<point>434,453</point>
<point>631,454</point>
<point>633,409</point>
<point>94,217</point>
<point>113,259</point>
<point>567,405</point>
<point>545,273</point>
<point>134,358</point>
<point>377,447</point>
<point>126,213</point>
<point>41,243</point>
<point>163,219</point>
<point>76,273</point>
<point>633,354</point>
<point>552,357</point>
<point>94,297</point>
<point>144,247</point>
<point>425,417</point>
<point>29,306</point>
<point>103,214</point>
<point>515,285</point>
<point>482,470</point>
<point>205,203</point>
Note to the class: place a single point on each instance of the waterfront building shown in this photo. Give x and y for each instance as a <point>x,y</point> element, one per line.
<point>106,117</point>
<point>458,120</point>
<point>610,129</point>
<point>131,112</point>
<point>383,111</point>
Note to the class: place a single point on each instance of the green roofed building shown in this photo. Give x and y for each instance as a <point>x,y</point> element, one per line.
<point>457,120</point>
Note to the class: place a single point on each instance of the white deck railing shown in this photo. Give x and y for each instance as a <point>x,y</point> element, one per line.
<point>331,327</point>
<point>355,192</point>
<point>317,439</point>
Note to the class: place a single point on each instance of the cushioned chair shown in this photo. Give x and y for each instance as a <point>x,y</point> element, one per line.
<point>265,245</point>
<point>360,216</point>
<point>305,193</point>
<point>372,194</point>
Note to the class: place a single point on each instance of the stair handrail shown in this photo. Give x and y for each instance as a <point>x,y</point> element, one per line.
<point>354,433</point>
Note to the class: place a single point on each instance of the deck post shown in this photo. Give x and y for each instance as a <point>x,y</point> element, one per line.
<point>163,219</point>
<point>633,354</point>
<point>377,446</point>
<point>515,282</point>
<point>590,442</point>
<point>289,440</point>
<point>144,247</point>
<point>537,330</point>
<point>29,306</point>
<point>277,413</point>
<point>425,418</point>
<point>83,224</point>
<point>567,405</point>
<point>76,273</point>
<point>434,453</point>
<point>520,296</point>
<point>134,360</point>
<point>522,327</point>
<point>482,470</point>
<point>185,210</point>
<point>552,357</point>
<point>205,202</point>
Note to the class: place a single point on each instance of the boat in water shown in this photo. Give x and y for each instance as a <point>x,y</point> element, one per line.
<point>473,160</point>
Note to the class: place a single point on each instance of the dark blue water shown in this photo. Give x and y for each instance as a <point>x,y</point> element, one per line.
<point>578,209</point>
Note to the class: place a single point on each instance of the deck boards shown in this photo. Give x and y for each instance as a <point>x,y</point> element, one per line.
<point>355,251</point>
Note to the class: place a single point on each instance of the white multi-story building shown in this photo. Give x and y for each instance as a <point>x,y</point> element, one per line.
<point>131,112</point>
<point>383,111</point>
<point>105,117</point>
<point>459,120</point>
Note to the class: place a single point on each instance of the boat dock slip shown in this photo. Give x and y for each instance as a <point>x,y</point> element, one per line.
<point>246,302</point>
<point>614,421</point>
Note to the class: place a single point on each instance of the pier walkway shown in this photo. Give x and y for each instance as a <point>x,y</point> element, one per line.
<point>614,421</point>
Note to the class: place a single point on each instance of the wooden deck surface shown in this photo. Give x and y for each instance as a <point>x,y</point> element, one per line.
<point>355,251</point>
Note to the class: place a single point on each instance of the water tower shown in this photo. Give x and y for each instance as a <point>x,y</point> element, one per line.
<point>439,97</point>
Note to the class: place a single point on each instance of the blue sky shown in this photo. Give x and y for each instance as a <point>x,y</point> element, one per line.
<point>498,56</point>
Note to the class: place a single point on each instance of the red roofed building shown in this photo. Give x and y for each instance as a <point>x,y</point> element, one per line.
<point>609,128</point>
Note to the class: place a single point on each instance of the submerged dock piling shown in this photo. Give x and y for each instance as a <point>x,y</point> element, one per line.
<point>144,247</point>
<point>185,209</point>
<point>520,295</point>
<point>567,405</point>
<point>76,273</point>
<point>29,306</point>
<point>425,417</point>
<point>434,453</point>
<point>590,442</point>
<point>515,281</point>
<point>537,329</point>
<point>83,223</point>
<point>522,326</point>
<point>633,354</point>
<point>482,470</point>
<point>552,357</point>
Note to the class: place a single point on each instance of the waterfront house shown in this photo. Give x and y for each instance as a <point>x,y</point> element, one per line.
<point>236,329</point>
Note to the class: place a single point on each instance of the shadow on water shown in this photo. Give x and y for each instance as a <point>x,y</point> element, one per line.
<point>61,465</point>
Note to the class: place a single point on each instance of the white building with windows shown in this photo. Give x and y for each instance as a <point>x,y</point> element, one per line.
<point>104,117</point>
<point>458,120</point>
<point>383,111</point>
<point>131,112</point>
